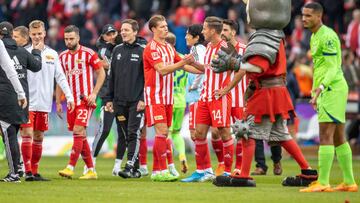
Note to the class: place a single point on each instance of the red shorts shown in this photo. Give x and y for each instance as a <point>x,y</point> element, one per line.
<point>158,113</point>
<point>37,121</point>
<point>237,113</point>
<point>192,115</point>
<point>80,116</point>
<point>215,113</point>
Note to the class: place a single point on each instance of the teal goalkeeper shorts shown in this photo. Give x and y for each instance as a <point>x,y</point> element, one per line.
<point>331,104</point>
<point>178,117</point>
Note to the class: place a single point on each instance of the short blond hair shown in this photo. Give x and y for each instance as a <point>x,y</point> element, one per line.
<point>36,24</point>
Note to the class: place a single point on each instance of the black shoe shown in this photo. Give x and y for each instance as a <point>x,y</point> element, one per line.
<point>11,178</point>
<point>126,173</point>
<point>20,170</point>
<point>38,177</point>
<point>228,181</point>
<point>306,177</point>
<point>29,176</point>
<point>129,172</point>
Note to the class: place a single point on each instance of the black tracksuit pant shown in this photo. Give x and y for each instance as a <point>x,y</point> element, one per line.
<point>129,125</point>
<point>9,134</point>
<point>260,155</point>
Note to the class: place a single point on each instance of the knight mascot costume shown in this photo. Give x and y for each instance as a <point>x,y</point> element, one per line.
<point>268,104</point>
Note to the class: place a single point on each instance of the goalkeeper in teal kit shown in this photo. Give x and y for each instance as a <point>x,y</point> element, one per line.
<point>329,98</point>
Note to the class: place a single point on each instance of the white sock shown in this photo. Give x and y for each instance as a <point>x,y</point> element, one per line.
<point>209,170</point>
<point>144,166</point>
<point>70,167</point>
<point>94,160</point>
<point>171,165</point>
<point>117,164</point>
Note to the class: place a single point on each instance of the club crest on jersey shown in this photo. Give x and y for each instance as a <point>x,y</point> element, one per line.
<point>118,56</point>
<point>155,55</point>
<point>121,118</point>
<point>160,117</point>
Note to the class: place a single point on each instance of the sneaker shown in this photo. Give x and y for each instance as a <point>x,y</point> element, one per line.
<point>173,171</point>
<point>167,177</point>
<point>11,178</point>
<point>258,172</point>
<point>143,171</point>
<point>347,188</point>
<point>226,174</point>
<point>277,169</point>
<point>67,173</point>
<point>220,170</point>
<point>126,173</point>
<point>317,187</point>
<point>306,177</point>
<point>38,177</point>
<point>194,177</point>
<point>89,175</point>
<point>207,177</point>
<point>29,176</point>
<point>163,177</point>
<point>184,166</point>
<point>21,170</point>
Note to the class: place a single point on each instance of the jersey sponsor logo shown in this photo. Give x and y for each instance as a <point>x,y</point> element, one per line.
<point>49,57</point>
<point>74,72</point>
<point>79,61</point>
<point>157,118</point>
<point>17,64</point>
<point>155,55</point>
<point>121,118</point>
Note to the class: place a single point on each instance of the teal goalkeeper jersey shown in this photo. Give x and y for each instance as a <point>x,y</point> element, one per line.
<point>180,78</point>
<point>326,54</point>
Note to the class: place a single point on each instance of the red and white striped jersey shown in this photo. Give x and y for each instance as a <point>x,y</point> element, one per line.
<point>237,93</point>
<point>158,88</point>
<point>78,68</point>
<point>213,81</point>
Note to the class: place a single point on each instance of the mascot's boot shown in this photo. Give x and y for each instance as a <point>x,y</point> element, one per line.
<point>304,179</point>
<point>233,181</point>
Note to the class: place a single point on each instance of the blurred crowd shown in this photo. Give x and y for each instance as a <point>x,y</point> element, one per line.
<point>91,15</point>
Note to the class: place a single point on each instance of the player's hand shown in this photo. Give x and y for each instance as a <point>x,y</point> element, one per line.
<point>220,93</point>
<point>109,107</point>
<point>189,59</point>
<point>140,106</point>
<point>70,106</point>
<point>91,100</point>
<point>40,45</point>
<point>22,103</point>
<point>313,100</point>
<point>59,110</point>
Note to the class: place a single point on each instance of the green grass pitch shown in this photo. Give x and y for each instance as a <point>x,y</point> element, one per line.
<point>115,189</point>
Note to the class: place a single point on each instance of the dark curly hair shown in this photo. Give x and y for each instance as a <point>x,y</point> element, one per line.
<point>195,30</point>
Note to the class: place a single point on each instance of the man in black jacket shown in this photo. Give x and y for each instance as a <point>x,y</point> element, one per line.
<point>11,112</point>
<point>105,44</point>
<point>126,93</point>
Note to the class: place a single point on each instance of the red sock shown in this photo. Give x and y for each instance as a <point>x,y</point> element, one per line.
<point>160,149</point>
<point>86,154</point>
<point>143,151</point>
<point>202,154</point>
<point>293,148</point>
<point>238,154</point>
<point>26,151</point>
<point>169,150</point>
<point>36,155</point>
<point>218,149</point>
<point>228,154</point>
<point>248,154</point>
<point>76,149</point>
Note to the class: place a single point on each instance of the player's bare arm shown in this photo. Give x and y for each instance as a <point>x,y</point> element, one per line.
<point>99,82</point>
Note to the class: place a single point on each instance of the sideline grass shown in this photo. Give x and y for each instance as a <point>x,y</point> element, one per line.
<point>115,189</point>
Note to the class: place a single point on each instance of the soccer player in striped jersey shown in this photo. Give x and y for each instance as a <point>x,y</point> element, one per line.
<point>212,110</point>
<point>237,84</point>
<point>160,61</point>
<point>79,63</point>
